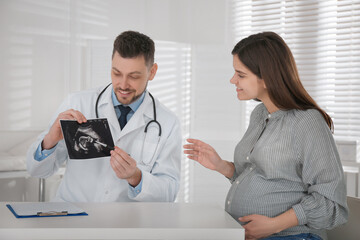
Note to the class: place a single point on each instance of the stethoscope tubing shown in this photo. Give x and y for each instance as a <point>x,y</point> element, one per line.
<point>147,125</point>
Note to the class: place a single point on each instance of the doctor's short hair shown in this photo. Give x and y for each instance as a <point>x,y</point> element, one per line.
<point>131,44</point>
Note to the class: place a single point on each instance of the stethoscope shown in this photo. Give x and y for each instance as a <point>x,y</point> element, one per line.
<point>146,127</point>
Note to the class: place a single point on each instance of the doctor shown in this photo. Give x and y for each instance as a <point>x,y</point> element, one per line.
<point>144,166</point>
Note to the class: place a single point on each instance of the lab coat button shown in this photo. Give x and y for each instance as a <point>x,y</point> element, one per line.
<point>247,158</point>
<point>237,182</point>
<point>228,202</point>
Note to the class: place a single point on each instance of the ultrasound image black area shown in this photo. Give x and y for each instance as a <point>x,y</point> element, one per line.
<point>87,140</point>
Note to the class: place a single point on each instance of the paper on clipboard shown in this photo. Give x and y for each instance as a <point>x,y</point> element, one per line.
<point>43,209</point>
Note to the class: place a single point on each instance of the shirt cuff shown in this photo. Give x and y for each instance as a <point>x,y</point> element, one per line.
<point>300,214</point>
<point>41,154</point>
<point>134,191</point>
<point>233,178</point>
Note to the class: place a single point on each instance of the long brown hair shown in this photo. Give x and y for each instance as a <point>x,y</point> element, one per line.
<point>269,58</point>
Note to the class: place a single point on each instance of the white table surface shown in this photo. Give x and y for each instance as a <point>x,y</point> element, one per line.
<point>126,221</point>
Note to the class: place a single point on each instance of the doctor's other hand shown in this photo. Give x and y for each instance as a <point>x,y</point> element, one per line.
<point>125,167</point>
<point>55,134</point>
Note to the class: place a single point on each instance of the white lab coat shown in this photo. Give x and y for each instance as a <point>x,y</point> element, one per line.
<point>94,180</point>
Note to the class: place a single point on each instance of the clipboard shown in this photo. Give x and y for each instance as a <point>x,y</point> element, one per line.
<point>45,209</point>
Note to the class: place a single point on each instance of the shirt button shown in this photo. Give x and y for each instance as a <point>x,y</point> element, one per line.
<point>228,202</point>
<point>237,182</point>
<point>247,158</point>
<point>251,168</point>
<point>269,116</point>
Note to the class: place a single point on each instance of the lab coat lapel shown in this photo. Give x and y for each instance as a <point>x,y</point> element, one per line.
<point>106,110</point>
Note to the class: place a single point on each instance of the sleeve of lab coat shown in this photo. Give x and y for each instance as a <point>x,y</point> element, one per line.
<point>50,165</point>
<point>161,184</point>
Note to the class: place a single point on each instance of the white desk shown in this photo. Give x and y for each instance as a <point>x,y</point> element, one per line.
<point>127,221</point>
<point>25,174</point>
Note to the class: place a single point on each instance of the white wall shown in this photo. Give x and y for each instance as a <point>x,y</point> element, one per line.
<point>216,115</point>
<point>43,58</point>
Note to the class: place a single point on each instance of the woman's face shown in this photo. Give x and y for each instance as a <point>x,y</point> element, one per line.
<point>248,85</point>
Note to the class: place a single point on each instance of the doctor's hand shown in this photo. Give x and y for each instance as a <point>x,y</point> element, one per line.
<point>55,134</point>
<point>125,167</point>
<point>206,155</point>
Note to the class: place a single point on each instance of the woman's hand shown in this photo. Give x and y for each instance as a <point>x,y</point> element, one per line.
<point>203,153</point>
<point>206,155</point>
<point>259,226</point>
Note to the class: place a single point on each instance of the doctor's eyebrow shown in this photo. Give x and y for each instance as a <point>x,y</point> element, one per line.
<point>135,72</point>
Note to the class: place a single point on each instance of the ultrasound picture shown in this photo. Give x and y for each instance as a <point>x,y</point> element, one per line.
<point>87,140</point>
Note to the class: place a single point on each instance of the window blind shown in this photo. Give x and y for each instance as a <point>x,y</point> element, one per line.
<point>324,37</point>
<point>171,86</point>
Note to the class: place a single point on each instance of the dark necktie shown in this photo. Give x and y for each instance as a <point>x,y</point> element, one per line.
<point>124,112</point>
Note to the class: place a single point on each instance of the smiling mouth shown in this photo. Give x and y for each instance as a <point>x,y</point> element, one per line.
<point>124,92</point>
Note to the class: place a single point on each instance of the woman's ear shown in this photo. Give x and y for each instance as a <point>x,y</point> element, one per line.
<point>262,83</point>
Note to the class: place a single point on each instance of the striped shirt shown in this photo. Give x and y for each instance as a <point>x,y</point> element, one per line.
<point>288,159</point>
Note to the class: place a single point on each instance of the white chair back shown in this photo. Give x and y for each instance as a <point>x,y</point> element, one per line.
<point>350,230</point>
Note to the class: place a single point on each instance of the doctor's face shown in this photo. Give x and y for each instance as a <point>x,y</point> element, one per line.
<point>130,76</point>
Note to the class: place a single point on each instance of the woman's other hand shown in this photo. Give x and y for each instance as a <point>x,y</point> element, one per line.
<point>206,155</point>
